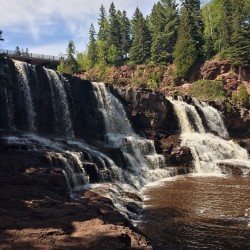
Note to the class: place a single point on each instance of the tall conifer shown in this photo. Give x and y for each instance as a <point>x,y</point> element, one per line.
<point>188,49</point>
<point>92,46</point>
<point>163,23</point>
<point>141,39</point>
<point>115,37</point>
<point>125,34</point>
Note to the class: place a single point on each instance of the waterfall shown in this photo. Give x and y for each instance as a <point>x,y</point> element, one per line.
<point>207,149</point>
<point>63,124</point>
<point>189,118</point>
<point>143,164</point>
<point>213,118</point>
<point>23,80</point>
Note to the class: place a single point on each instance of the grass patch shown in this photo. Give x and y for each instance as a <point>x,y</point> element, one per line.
<point>208,90</point>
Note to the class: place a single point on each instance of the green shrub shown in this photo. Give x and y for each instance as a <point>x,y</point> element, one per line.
<point>154,79</point>
<point>153,84</point>
<point>138,82</point>
<point>229,107</point>
<point>242,96</point>
<point>208,90</point>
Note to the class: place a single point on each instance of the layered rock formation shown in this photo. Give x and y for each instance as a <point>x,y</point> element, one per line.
<point>153,116</point>
<point>37,210</point>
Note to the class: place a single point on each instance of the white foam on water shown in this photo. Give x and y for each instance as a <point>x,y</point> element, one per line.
<point>207,149</point>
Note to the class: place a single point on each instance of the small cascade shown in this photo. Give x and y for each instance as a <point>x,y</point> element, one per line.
<point>213,118</point>
<point>63,124</point>
<point>207,149</point>
<point>143,164</point>
<point>108,170</point>
<point>188,117</point>
<point>23,80</point>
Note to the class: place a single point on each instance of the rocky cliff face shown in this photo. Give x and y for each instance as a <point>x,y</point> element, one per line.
<point>143,75</point>
<point>231,76</point>
<point>153,116</point>
<point>237,119</point>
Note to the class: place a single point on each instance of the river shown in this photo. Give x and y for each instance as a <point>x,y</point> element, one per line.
<point>195,212</point>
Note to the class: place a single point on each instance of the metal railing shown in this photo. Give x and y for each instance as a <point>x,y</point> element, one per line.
<point>30,55</point>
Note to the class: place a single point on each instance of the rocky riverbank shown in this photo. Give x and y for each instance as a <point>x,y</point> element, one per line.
<point>37,211</point>
<point>41,207</point>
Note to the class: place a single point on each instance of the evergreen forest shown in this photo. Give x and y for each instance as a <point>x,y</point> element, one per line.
<point>183,35</point>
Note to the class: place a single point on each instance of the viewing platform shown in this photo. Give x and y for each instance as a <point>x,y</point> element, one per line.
<point>34,59</point>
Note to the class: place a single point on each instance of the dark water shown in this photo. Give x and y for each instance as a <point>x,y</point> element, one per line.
<point>199,213</point>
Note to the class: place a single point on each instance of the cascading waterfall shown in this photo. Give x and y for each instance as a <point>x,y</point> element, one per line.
<point>143,164</point>
<point>208,150</point>
<point>189,119</point>
<point>213,118</point>
<point>86,165</point>
<point>22,69</point>
<point>60,105</point>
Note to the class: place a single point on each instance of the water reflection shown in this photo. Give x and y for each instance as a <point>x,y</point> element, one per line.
<point>199,213</point>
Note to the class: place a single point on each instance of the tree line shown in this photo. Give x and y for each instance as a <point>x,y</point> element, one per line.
<point>169,34</point>
<point>181,35</point>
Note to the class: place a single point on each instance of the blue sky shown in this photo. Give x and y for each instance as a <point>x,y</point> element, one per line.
<point>46,26</point>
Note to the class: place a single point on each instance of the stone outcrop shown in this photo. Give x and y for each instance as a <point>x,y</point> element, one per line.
<point>231,76</point>
<point>236,118</point>
<point>233,168</point>
<point>37,211</point>
<point>148,110</point>
<point>140,75</point>
<point>153,116</point>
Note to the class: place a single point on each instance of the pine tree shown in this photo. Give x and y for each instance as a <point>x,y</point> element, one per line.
<point>26,53</point>
<point>92,47</point>
<point>125,34</point>
<point>102,37</point>
<point>163,23</point>
<point>70,65</point>
<point>188,49</point>
<point>114,26</point>
<point>17,51</point>
<point>141,39</point>
<point>226,24</point>
<point>103,25</point>
<point>239,49</point>
<point>114,39</point>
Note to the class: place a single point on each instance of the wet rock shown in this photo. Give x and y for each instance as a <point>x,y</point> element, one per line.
<point>181,156</point>
<point>125,239</point>
<point>92,172</point>
<point>147,109</point>
<point>245,143</point>
<point>233,168</point>
<point>133,207</point>
<point>236,118</point>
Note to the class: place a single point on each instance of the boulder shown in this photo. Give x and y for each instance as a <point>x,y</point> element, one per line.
<point>234,167</point>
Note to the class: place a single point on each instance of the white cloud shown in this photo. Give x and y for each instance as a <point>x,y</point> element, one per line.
<point>39,15</point>
<point>46,22</point>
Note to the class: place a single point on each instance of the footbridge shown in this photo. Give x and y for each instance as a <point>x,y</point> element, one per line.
<point>33,58</point>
